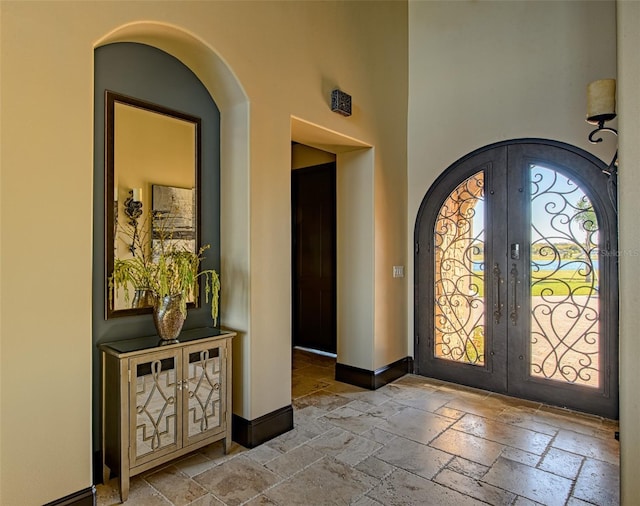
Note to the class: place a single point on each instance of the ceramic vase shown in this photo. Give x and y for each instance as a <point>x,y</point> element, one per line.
<point>168,317</point>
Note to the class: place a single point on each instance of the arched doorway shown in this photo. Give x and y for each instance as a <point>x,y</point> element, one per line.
<point>516,276</point>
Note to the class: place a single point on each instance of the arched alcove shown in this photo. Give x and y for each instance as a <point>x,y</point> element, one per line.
<point>231,99</point>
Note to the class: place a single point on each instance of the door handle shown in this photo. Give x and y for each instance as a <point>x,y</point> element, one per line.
<point>497,281</point>
<point>515,251</point>
<point>514,284</point>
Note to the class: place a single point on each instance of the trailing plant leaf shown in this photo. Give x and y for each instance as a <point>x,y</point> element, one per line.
<point>170,269</point>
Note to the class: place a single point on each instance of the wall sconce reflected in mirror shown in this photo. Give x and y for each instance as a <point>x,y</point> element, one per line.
<point>133,210</point>
<point>601,107</point>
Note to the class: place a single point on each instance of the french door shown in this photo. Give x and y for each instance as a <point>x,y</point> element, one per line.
<point>516,276</point>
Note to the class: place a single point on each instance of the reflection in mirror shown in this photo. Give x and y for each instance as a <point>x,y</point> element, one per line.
<point>152,172</point>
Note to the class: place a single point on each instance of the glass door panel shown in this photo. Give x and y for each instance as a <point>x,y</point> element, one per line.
<point>459,277</point>
<point>565,310</point>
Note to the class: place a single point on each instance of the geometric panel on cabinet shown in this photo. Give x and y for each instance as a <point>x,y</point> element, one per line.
<point>156,406</point>
<point>204,391</point>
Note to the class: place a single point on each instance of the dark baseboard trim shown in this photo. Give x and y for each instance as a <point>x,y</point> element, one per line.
<point>86,497</point>
<point>374,379</point>
<point>252,433</point>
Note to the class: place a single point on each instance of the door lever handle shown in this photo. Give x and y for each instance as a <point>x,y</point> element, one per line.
<point>515,251</point>
<point>514,290</point>
<point>497,306</point>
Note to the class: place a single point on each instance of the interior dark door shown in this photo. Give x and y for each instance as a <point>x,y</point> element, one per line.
<point>516,280</point>
<point>313,195</point>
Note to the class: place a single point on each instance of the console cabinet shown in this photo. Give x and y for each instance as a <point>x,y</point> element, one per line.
<point>162,400</point>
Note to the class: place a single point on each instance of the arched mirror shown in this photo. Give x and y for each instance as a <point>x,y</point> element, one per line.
<point>152,177</point>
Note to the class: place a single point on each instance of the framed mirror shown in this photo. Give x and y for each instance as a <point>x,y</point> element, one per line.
<point>152,177</point>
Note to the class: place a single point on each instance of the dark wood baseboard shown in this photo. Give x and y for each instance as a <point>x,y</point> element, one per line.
<point>374,379</point>
<point>252,433</point>
<point>86,497</point>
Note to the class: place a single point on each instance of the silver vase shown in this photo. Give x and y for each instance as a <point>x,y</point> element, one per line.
<point>168,317</point>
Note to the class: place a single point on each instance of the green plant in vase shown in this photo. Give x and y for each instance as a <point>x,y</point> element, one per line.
<point>170,270</point>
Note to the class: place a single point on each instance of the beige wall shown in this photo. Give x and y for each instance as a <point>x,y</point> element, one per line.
<point>262,65</point>
<point>629,182</point>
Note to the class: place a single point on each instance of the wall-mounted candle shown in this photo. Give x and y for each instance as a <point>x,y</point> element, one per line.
<point>137,194</point>
<point>601,99</point>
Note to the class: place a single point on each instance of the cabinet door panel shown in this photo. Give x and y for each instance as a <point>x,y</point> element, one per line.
<point>204,367</point>
<point>155,405</point>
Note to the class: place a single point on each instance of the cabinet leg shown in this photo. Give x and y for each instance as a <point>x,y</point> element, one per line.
<point>124,487</point>
<point>226,444</point>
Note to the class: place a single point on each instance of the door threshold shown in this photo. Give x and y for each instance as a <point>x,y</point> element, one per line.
<point>317,352</point>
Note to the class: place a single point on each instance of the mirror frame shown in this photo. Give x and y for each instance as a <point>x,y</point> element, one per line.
<point>111,98</point>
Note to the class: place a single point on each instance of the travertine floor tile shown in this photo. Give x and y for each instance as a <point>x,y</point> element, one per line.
<point>195,464</point>
<point>534,484</point>
<point>263,454</point>
<point>469,486</point>
<point>598,483</point>
<point>387,409</point>
<point>344,446</point>
<point>429,401</point>
<point>523,501</point>
<point>403,488</point>
<point>140,494</point>
<point>417,425</point>
<point>237,481</point>
<point>581,444</point>
<point>290,440</point>
<point>261,500</point>
<point>207,500</point>
<point>301,386</point>
<point>561,463</point>
<point>292,462</point>
<point>375,467</point>
<point>177,487</point>
<point>467,467</point>
<point>508,435</point>
<point>327,482</point>
<point>323,399</point>
<point>530,459</point>
<point>468,447</point>
<point>352,420</point>
<point>573,501</point>
<point>414,457</point>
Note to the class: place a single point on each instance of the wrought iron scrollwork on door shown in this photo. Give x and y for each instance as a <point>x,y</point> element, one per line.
<point>565,280</point>
<point>459,274</point>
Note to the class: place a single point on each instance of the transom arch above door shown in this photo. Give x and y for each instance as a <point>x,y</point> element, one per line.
<point>516,276</point>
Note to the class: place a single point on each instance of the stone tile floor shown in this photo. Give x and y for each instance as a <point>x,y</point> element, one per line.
<point>415,441</point>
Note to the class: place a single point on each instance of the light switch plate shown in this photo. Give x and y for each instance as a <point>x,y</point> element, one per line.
<point>398,271</point>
